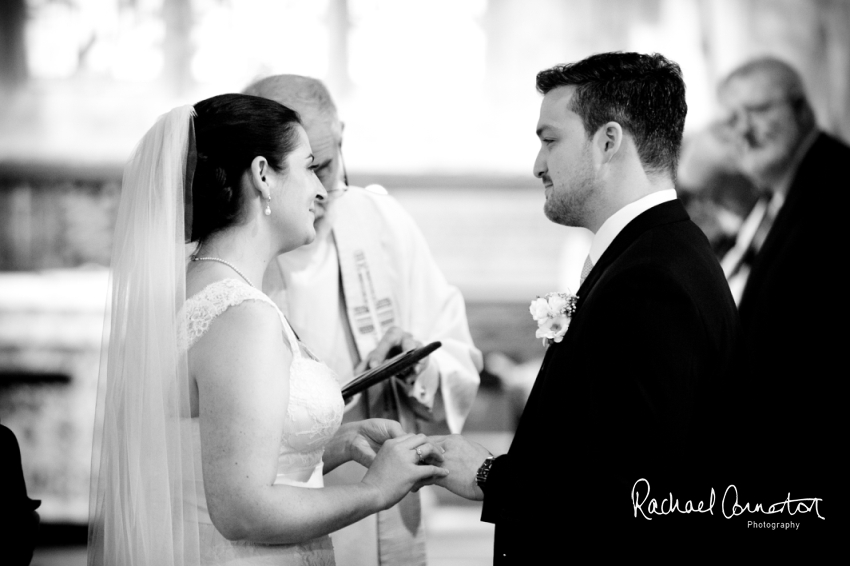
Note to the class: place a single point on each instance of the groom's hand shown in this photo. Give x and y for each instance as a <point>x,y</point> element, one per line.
<point>462,458</point>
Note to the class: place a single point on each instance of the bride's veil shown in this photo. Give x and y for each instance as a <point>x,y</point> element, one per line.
<point>144,445</point>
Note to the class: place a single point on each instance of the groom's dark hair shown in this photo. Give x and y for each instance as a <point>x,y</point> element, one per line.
<point>645,94</point>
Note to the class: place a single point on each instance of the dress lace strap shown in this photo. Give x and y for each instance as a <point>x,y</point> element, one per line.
<point>290,334</point>
<point>202,308</point>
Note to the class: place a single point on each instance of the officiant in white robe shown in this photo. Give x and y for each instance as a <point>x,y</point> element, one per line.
<point>370,275</point>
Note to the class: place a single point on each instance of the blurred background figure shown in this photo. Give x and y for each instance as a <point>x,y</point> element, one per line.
<point>18,516</point>
<point>715,193</point>
<point>770,127</point>
<point>784,267</point>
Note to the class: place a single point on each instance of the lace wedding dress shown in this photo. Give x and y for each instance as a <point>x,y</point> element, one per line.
<point>313,416</point>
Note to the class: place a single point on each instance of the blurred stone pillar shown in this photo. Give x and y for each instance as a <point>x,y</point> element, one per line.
<point>339,24</point>
<point>178,48</point>
<point>13,61</point>
<point>834,112</point>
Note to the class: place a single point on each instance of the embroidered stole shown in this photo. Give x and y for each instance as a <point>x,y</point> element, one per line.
<point>371,312</point>
<point>368,299</point>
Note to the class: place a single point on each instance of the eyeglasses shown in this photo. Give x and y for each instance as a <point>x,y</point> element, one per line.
<point>747,112</point>
<point>336,193</point>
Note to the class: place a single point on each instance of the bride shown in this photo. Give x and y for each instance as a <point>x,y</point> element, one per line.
<point>216,422</point>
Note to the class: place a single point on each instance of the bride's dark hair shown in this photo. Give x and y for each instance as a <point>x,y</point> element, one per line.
<point>230,131</point>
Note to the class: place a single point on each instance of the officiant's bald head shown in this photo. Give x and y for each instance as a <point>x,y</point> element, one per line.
<point>302,94</point>
<point>311,99</point>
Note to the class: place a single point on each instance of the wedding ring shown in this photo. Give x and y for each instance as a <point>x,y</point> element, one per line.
<point>419,453</point>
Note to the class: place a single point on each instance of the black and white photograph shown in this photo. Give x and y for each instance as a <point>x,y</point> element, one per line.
<point>572,295</point>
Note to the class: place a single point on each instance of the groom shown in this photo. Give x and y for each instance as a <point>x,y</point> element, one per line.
<point>630,392</point>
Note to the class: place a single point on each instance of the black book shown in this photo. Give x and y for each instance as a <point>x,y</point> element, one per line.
<point>389,368</point>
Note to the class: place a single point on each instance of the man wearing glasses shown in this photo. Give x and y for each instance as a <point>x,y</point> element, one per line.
<point>784,268</point>
<point>366,289</point>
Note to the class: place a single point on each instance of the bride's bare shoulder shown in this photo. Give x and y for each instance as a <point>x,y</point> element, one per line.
<point>244,340</point>
<point>238,320</point>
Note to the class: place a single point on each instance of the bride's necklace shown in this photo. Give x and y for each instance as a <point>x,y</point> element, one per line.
<point>225,262</point>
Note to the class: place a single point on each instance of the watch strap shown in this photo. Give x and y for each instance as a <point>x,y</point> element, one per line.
<point>484,471</point>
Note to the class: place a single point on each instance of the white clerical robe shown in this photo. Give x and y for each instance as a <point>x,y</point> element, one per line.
<point>340,293</point>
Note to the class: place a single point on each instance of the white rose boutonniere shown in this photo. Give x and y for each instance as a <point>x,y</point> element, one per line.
<point>552,314</point>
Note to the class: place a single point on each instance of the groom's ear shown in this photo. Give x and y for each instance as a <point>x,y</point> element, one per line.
<point>607,141</point>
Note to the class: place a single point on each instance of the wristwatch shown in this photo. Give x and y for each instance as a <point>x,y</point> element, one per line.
<point>484,471</point>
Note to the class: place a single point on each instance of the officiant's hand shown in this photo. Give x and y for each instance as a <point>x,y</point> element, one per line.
<point>462,458</point>
<point>394,342</point>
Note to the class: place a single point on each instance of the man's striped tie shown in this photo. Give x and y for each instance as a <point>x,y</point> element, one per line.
<point>585,271</point>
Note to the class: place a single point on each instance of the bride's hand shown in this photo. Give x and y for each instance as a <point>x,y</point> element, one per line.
<point>367,437</point>
<point>402,464</point>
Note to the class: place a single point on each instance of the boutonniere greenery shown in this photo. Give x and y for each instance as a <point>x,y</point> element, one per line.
<point>552,313</point>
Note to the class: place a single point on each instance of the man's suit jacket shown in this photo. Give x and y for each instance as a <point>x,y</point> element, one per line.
<point>18,517</point>
<point>792,309</point>
<point>631,392</point>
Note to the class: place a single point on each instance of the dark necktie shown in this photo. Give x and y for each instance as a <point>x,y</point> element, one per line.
<point>751,236</point>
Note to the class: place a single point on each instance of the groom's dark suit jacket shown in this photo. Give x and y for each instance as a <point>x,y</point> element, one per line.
<point>633,391</point>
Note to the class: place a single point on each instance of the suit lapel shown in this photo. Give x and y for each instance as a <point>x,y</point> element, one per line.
<point>664,213</point>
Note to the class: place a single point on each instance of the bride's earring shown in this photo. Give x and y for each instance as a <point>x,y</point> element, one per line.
<point>268,209</point>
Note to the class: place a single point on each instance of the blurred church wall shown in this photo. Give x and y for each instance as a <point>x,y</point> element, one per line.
<point>440,108</point>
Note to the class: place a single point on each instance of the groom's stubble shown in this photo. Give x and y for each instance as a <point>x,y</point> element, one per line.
<point>568,203</point>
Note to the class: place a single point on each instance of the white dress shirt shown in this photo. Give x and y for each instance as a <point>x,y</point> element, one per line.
<point>617,221</point>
